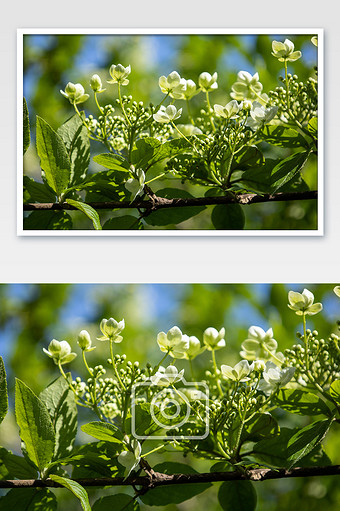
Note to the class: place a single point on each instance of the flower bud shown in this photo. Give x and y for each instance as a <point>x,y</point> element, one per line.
<point>96,83</point>
<point>84,340</point>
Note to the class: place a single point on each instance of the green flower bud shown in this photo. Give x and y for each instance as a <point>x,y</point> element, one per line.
<point>84,341</point>
<point>96,83</point>
<point>60,352</point>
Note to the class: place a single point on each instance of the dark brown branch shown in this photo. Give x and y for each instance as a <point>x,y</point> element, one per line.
<point>161,203</point>
<point>159,479</point>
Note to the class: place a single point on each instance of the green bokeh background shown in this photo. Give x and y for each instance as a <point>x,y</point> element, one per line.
<point>51,61</point>
<point>33,314</point>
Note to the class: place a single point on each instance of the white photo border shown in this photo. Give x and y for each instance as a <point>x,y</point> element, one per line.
<point>172,31</point>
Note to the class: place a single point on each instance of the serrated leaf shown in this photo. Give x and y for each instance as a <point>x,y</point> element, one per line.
<point>176,494</point>
<point>237,496</point>
<point>18,466</point>
<point>228,216</point>
<point>276,450</point>
<point>48,220</point>
<point>54,159</point>
<point>26,127</point>
<point>75,488</point>
<point>3,391</point>
<point>28,499</point>
<point>36,429</point>
<point>103,431</point>
<point>60,403</point>
<point>118,502</point>
<point>283,137</point>
<point>305,440</point>
<point>313,127</point>
<point>287,169</point>
<point>112,162</point>
<point>173,215</point>
<point>75,137</point>
<point>123,222</point>
<point>88,211</point>
<point>301,402</point>
<point>334,390</point>
<point>37,192</point>
<point>262,425</point>
<point>101,461</point>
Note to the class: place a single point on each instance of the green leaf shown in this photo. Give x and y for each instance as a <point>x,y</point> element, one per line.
<point>75,488</point>
<point>118,502</point>
<point>54,159</point>
<point>283,137</point>
<point>60,403</point>
<point>17,466</point>
<point>123,222</point>
<point>335,390</point>
<point>112,162</point>
<point>150,151</point>
<point>48,220</point>
<point>313,127</point>
<point>305,439</point>
<point>276,450</point>
<point>96,459</point>
<point>103,431</point>
<point>29,499</point>
<point>262,425</point>
<point>301,402</point>
<point>237,496</point>
<point>37,192</point>
<point>76,140</point>
<point>248,157</point>
<point>228,216</point>
<point>88,211</point>
<point>173,215</point>
<point>3,391</point>
<point>287,169</point>
<point>36,429</point>
<point>164,495</point>
<point>98,463</point>
<point>26,127</point>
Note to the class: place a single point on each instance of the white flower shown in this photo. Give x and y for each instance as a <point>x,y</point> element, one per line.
<point>285,51</point>
<point>302,303</point>
<point>194,347</point>
<point>60,352</point>
<point>187,130</point>
<point>207,82</point>
<point>247,86</point>
<point>84,341</point>
<point>239,372</point>
<point>164,377</point>
<point>111,329</point>
<point>260,115</point>
<point>259,344</point>
<point>130,459</point>
<point>190,90</point>
<point>172,84</point>
<point>229,111</point>
<point>135,185</point>
<point>75,93</point>
<point>315,40</point>
<point>192,394</point>
<point>337,291</point>
<point>167,114</point>
<point>119,74</point>
<point>275,378</point>
<point>173,342</point>
<point>213,339</point>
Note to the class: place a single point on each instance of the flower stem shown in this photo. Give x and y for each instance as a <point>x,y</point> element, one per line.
<point>122,106</point>
<point>115,367</point>
<point>215,371</point>
<point>209,110</point>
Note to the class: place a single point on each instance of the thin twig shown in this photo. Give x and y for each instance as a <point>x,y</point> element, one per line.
<point>160,479</point>
<point>161,202</point>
